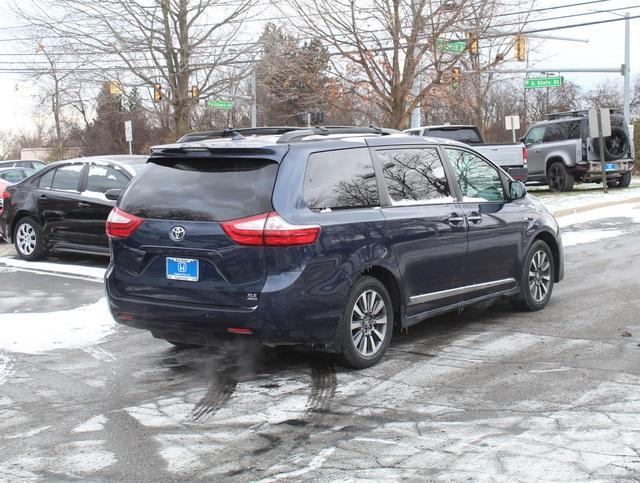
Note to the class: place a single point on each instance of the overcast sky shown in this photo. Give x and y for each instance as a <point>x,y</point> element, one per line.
<point>604,49</point>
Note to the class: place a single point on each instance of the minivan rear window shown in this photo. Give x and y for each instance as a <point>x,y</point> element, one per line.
<point>201,189</point>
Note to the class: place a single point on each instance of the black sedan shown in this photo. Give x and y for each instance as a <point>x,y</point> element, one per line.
<point>64,206</point>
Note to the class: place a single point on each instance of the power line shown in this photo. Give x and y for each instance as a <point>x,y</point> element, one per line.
<point>288,17</point>
<point>256,52</point>
<point>209,65</point>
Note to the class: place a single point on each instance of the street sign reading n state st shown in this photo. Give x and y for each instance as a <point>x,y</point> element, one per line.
<point>539,82</point>
<point>226,105</point>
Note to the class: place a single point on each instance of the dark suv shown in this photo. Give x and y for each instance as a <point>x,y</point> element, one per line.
<point>327,238</point>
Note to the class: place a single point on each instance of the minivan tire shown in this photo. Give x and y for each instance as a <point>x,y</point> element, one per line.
<point>559,178</point>
<point>536,282</point>
<point>28,239</point>
<point>364,307</point>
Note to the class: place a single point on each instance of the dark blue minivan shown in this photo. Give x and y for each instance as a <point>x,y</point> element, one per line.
<point>326,238</point>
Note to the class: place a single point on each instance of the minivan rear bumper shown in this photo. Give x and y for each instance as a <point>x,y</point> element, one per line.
<point>284,315</point>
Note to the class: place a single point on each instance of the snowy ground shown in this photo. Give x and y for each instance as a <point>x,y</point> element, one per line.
<point>486,395</point>
<point>584,195</point>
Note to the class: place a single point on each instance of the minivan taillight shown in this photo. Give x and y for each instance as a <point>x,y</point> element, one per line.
<point>525,158</point>
<point>269,229</point>
<point>121,224</point>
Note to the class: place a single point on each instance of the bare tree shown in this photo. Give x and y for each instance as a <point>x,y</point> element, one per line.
<point>177,43</point>
<point>8,143</point>
<point>401,50</point>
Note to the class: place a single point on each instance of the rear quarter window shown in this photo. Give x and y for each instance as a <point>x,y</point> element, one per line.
<point>338,180</point>
<point>201,189</point>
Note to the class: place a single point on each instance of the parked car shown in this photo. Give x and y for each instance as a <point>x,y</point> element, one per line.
<point>328,238</point>
<point>22,163</point>
<point>14,175</point>
<point>561,152</point>
<point>9,176</point>
<point>65,205</point>
<point>510,157</point>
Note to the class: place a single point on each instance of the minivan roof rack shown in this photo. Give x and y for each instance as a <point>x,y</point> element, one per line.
<point>233,133</point>
<point>300,134</point>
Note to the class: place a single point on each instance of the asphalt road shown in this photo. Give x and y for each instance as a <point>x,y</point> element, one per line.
<point>486,394</point>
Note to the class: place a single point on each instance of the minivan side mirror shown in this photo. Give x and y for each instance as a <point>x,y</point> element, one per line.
<point>517,190</point>
<point>113,194</point>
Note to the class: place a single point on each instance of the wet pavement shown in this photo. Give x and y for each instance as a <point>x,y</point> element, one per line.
<point>485,394</point>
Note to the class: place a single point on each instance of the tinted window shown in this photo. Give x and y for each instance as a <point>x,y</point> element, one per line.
<point>46,179</point>
<point>201,189</point>
<point>414,176</point>
<point>552,133</point>
<point>340,179</point>
<point>103,177</point>
<point>66,178</point>
<point>535,135</point>
<point>13,176</point>
<point>571,130</point>
<point>478,180</point>
<point>464,135</point>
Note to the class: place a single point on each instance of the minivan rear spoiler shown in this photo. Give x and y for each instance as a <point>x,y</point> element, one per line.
<point>273,153</point>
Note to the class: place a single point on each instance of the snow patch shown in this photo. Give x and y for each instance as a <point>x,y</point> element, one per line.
<point>92,273</point>
<point>33,333</point>
<point>315,464</point>
<point>28,434</point>
<point>587,236</point>
<point>95,423</point>
<point>6,368</point>
<point>628,210</point>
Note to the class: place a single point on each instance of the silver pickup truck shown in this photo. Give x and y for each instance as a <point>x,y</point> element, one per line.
<point>510,157</point>
<point>561,152</point>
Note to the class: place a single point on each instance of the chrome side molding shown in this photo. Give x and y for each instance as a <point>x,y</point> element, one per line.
<point>452,292</point>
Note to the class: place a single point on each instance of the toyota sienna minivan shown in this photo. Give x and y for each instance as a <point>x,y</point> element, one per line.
<point>324,238</point>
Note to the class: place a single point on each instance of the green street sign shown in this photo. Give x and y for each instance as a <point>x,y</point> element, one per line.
<point>451,46</point>
<point>226,105</point>
<point>539,82</point>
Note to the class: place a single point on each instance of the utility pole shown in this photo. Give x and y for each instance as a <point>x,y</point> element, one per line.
<point>254,100</point>
<point>627,67</point>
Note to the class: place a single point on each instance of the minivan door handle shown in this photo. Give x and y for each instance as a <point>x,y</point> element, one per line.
<point>82,204</point>
<point>455,219</point>
<point>475,217</point>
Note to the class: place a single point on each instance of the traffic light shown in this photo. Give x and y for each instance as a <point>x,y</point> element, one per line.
<point>157,92</point>
<point>115,88</point>
<point>472,44</point>
<point>195,92</point>
<point>521,48</point>
<point>456,77</point>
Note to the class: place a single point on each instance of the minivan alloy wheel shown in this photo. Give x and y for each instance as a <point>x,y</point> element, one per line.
<point>369,323</point>
<point>539,276</point>
<point>26,239</point>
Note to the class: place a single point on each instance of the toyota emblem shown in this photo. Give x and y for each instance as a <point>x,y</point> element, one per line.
<point>177,233</point>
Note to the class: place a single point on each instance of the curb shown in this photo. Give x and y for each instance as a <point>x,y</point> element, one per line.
<point>593,206</point>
